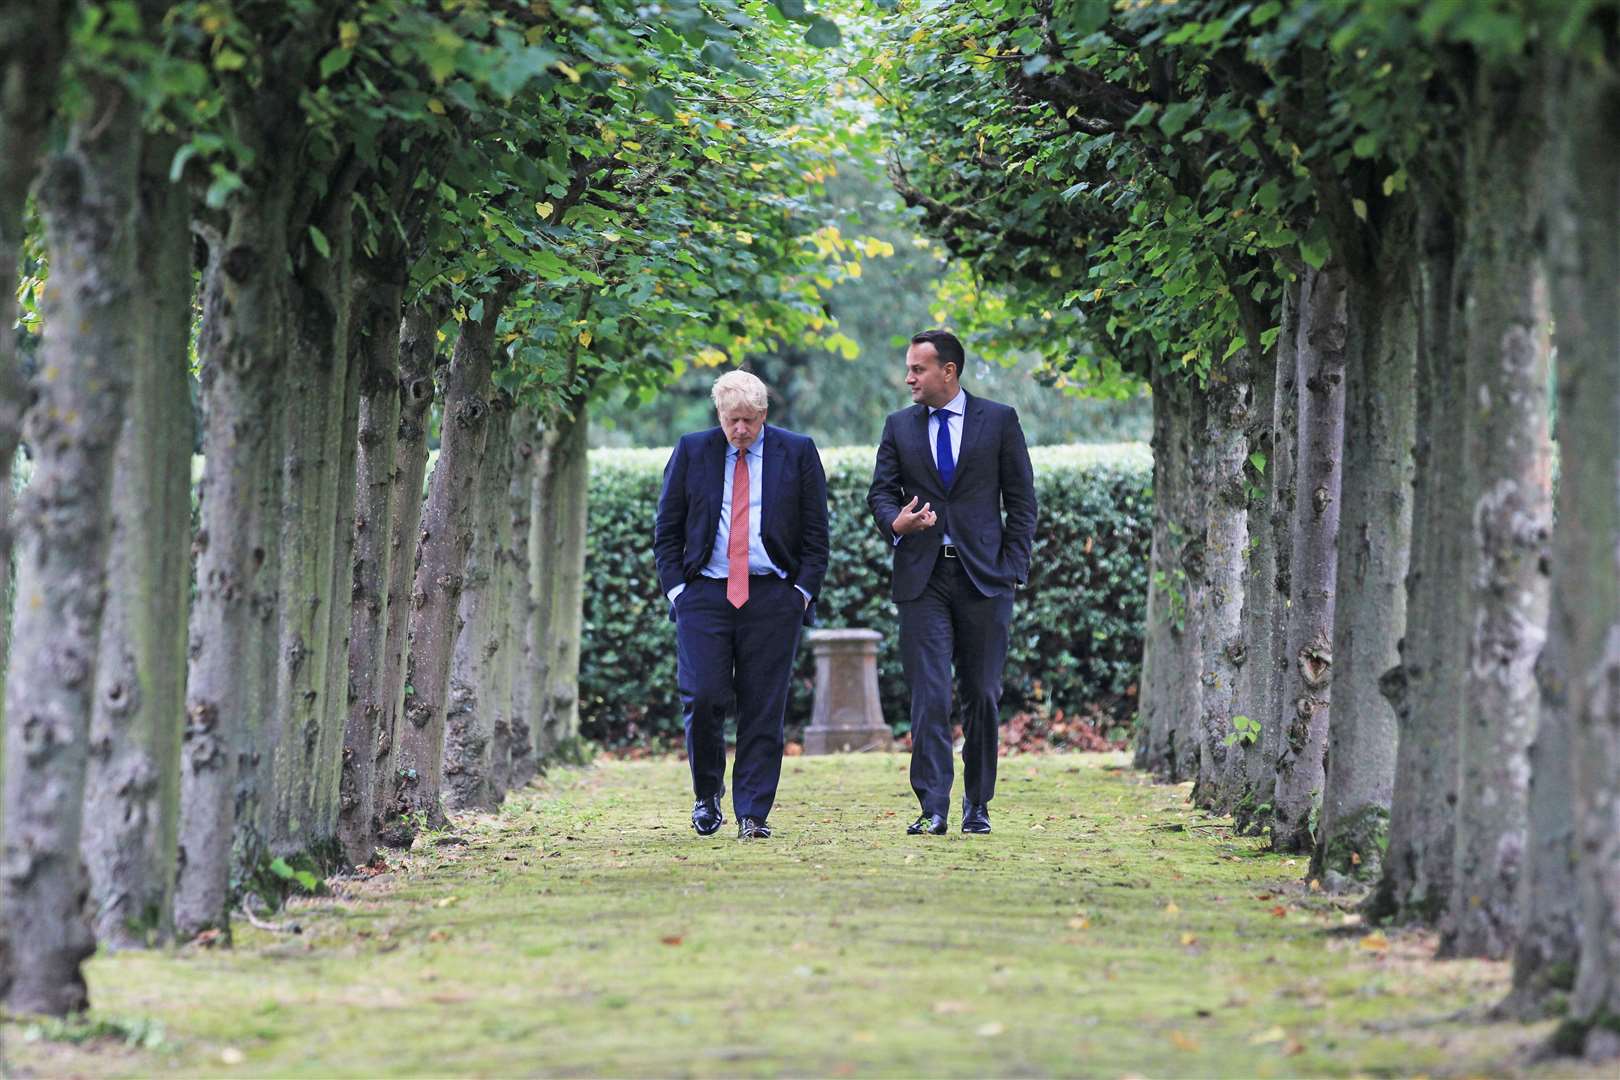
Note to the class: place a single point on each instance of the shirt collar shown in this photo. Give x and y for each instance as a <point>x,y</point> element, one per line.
<point>756,451</point>
<point>957,405</point>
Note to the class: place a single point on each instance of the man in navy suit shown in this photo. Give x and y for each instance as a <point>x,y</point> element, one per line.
<point>948,469</point>
<point>741,546</point>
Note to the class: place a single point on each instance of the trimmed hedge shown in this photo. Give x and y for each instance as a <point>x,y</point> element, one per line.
<point>1077,629</point>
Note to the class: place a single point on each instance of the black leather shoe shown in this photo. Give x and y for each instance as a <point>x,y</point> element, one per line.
<point>975,817</point>
<point>706,816</point>
<point>932,824</point>
<point>752,829</point>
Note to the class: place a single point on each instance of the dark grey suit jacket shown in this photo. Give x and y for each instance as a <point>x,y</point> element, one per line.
<point>993,475</point>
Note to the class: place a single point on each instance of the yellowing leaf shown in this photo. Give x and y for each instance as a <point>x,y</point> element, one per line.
<point>630,144</point>
<point>610,237</point>
<point>853,269</point>
<point>229,60</point>
<point>744,237</point>
<point>585,338</point>
<point>348,34</point>
<point>1360,207</point>
<point>1270,1035</point>
<point>1375,942</point>
<point>544,209</point>
<point>1189,939</point>
<point>1079,922</point>
<point>1185,1043</point>
<point>435,106</point>
<point>1172,909</point>
<point>568,73</point>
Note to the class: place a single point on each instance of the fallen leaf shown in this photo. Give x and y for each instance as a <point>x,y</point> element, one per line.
<point>992,1029</point>
<point>447,901</point>
<point>1079,922</point>
<point>1292,1047</point>
<point>1172,909</point>
<point>1280,911</point>
<point>1183,1042</point>
<point>1375,942</point>
<point>1270,1035</point>
<point>1189,939</point>
<point>864,1037</point>
<point>232,1056</point>
<point>672,939</point>
<point>439,935</point>
<point>1316,885</point>
<point>948,1008</point>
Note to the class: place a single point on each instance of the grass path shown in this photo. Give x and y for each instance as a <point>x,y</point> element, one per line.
<point>1103,929</point>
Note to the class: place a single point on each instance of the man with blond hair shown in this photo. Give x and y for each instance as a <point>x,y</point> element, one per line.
<point>741,546</point>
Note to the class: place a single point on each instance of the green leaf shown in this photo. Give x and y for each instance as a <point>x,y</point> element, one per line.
<point>334,62</point>
<point>1258,460</point>
<point>1317,246</point>
<point>823,33</point>
<point>793,9</point>
<point>280,868</point>
<point>1265,12</point>
<point>1176,116</point>
<point>308,880</point>
<point>1365,146</point>
<point>322,245</point>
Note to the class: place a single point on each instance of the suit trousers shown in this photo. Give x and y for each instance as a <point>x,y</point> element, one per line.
<point>742,655</point>
<point>953,624</point>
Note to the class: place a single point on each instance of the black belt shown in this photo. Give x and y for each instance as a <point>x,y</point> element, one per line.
<point>949,551</point>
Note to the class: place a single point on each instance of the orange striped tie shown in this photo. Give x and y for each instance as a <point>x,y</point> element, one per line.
<point>737,541</point>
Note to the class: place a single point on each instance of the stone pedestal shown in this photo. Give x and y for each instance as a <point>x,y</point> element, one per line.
<point>847,715</point>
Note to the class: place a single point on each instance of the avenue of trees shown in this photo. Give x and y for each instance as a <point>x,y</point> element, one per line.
<point>351,221</point>
<point>1341,242</point>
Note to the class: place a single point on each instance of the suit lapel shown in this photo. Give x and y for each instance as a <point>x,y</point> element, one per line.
<point>714,464</point>
<point>920,428</point>
<point>772,479</point>
<point>972,426</point>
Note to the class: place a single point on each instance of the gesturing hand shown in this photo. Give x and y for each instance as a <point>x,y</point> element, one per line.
<point>913,519</point>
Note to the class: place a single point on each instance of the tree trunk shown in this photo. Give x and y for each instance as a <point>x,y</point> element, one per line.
<point>87,201</point>
<point>1188,531</point>
<point>33,38</point>
<point>472,712</point>
<point>1158,645</point>
<point>340,690</point>
<point>132,791</point>
<point>557,551</point>
<point>232,631</point>
<point>1226,540</point>
<point>447,532</point>
<point>1509,482</point>
<point>376,498</point>
<point>1269,573</point>
<point>521,767</point>
<point>1426,689</point>
<point>311,461</point>
<point>1584,260</point>
<point>1375,530</point>
<point>418,353</point>
<point>1307,687</point>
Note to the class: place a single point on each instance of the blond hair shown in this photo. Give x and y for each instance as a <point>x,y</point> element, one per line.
<point>739,388</point>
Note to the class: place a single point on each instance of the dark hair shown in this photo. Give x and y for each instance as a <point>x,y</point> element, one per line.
<point>946,347</point>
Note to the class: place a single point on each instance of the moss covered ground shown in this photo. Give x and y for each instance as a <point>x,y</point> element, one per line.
<point>1103,929</point>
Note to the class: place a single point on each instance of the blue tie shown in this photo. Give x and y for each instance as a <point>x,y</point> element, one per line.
<point>942,451</point>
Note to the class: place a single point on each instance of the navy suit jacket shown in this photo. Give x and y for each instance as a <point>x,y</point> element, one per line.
<point>792,514</point>
<point>992,474</point>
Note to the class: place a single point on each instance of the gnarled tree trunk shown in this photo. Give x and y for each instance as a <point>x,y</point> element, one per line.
<point>307,755</point>
<point>1375,539</point>
<point>232,630</point>
<point>1226,539</point>
<point>1313,563</point>
<point>87,201</point>
<point>132,792</point>
<point>557,555</point>
<point>33,38</point>
<point>473,710</point>
<point>376,495</point>
<point>521,659</point>
<point>447,533</point>
<point>1509,470</point>
<point>1426,688</point>
<point>1583,254</point>
<point>418,354</point>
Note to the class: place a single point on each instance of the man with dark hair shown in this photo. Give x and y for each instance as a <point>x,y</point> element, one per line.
<point>948,469</point>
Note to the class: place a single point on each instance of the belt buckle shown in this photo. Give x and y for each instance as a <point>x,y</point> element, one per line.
<point>949,551</point>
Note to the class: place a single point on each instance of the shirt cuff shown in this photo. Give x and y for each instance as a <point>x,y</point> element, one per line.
<point>802,592</point>
<point>676,591</point>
